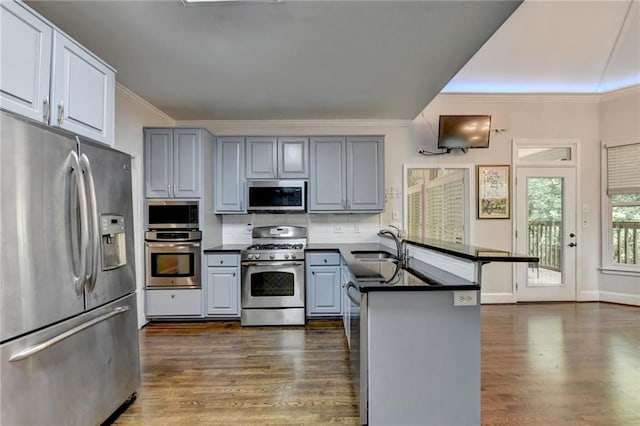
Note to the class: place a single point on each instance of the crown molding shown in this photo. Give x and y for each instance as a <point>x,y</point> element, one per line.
<point>517,97</point>
<point>143,102</point>
<point>621,93</point>
<point>278,124</point>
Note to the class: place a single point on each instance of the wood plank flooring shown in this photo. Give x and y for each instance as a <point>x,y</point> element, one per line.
<point>542,364</point>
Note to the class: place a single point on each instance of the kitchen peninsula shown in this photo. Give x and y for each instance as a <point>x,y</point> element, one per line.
<point>413,329</point>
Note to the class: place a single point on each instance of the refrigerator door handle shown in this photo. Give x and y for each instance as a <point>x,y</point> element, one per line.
<point>80,279</point>
<point>32,350</point>
<point>92,270</point>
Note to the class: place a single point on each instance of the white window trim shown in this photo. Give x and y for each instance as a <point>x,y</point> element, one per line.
<point>469,233</point>
<point>607,266</point>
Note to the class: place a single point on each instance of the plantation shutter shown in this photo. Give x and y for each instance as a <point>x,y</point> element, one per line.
<point>623,169</point>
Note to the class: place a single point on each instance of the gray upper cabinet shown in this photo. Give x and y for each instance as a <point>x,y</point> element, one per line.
<point>365,173</point>
<point>173,162</point>
<point>347,174</point>
<point>82,96</point>
<point>293,158</point>
<point>48,77</point>
<point>229,181</point>
<point>269,157</point>
<point>261,157</point>
<point>26,62</point>
<point>327,180</point>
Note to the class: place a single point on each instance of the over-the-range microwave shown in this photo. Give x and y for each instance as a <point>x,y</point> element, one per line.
<point>276,196</point>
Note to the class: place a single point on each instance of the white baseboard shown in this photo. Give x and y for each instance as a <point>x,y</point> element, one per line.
<point>494,298</point>
<point>588,296</point>
<point>622,298</point>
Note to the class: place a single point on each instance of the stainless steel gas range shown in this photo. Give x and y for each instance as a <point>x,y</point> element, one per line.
<point>272,291</point>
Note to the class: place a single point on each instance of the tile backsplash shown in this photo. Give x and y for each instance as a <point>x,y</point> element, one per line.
<point>321,228</point>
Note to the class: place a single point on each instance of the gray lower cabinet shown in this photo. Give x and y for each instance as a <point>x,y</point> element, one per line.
<point>323,284</point>
<point>346,174</point>
<point>270,157</point>
<point>173,162</point>
<point>229,178</point>
<point>48,77</point>
<point>173,303</point>
<point>222,288</point>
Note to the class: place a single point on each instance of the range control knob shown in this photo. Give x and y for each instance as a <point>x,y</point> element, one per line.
<point>256,256</point>
<point>293,256</point>
<point>286,256</point>
<point>272,256</point>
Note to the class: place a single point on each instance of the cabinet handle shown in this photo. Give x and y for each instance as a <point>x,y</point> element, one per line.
<point>175,189</point>
<point>313,272</point>
<point>45,105</point>
<point>324,260</point>
<point>221,262</point>
<point>234,274</point>
<point>61,112</point>
<point>173,296</point>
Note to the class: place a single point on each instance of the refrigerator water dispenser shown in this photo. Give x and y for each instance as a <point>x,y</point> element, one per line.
<point>112,241</point>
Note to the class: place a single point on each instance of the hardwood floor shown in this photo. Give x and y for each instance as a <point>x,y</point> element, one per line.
<point>542,364</point>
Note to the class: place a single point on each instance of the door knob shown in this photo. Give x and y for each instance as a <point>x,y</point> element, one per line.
<point>572,244</point>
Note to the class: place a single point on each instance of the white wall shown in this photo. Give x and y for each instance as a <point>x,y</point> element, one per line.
<point>620,120</point>
<point>132,114</point>
<point>535,117</point>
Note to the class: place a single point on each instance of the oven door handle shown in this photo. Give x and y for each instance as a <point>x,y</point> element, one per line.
<point>268,263</point>
<point>172,245</point>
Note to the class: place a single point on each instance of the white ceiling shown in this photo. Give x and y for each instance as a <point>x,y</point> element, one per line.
<point>558,46</point>
<point>300,59</point>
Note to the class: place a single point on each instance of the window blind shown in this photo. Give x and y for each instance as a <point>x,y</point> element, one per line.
<point>623,169</point>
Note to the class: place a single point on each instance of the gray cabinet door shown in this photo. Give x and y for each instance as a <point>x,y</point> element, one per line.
<point>293,158</point>
<point>158,162</point>
<point>229,194</point>
<point>223,292</point>
<point>25,67</point>
<point>365,173</point>
<point>327,186</point>
<point>324,291</point>
<point>187,160</point>
<point>83,90</point>
<point>261,156</point>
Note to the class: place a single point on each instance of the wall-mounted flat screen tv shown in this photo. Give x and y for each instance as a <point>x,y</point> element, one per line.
<point>464,131</point>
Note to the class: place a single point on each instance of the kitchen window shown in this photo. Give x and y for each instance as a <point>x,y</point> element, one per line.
<point>621,208</point>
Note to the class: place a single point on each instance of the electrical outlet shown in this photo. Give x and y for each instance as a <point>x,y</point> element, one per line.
<point>337,229</point>
<point>249,228</point>
<point>585,223</point>
<point>395,215</point>
<point>465,298</point>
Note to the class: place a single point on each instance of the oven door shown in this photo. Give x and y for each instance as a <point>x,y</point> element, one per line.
<point>172,265</point>
<point>272,284</point>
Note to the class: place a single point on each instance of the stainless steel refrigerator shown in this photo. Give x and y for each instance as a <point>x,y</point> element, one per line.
<point>69,337</point>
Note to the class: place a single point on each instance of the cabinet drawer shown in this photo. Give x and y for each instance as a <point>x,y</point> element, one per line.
<point>323,258</point>
<point>222,260</point>
<point>170,303</point>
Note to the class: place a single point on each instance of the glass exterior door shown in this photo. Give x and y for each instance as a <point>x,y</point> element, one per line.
<point>545,228</point>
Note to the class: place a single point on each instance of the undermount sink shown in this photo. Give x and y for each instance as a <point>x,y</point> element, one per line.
<point>373,256</point>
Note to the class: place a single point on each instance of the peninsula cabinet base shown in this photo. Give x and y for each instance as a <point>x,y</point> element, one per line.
<point>424,359</point>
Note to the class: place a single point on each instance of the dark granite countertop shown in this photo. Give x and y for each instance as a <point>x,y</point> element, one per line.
<point>478,254</point>
<point>388,276</point>
<point>231,248</point>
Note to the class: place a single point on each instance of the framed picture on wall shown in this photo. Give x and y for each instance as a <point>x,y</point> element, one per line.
<point>494,192</point>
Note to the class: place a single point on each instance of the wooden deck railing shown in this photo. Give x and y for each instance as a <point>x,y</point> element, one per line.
<point>626,242</point>
<point>545,242</point>
<point>545,239</point>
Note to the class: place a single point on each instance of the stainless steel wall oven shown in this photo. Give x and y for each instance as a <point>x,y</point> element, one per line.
<point>173,259</point>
